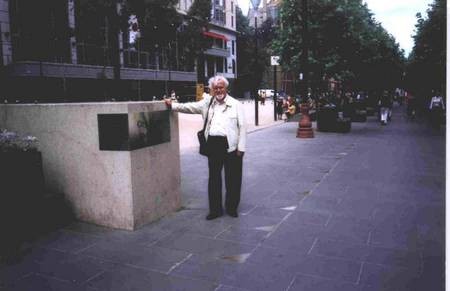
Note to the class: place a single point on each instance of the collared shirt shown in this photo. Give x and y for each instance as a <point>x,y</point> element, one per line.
<point>219,119</point>
<point>235,127</point>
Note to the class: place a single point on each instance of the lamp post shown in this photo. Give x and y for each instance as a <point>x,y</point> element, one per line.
<point>274,61</point>
<point>305,125</point>
<point>256,66</point>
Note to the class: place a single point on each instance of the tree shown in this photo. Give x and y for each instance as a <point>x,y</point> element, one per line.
<point>345,43</point>
<point>194,42</point>
<point>426,63</point>
<point>245,50</point>
<point>251,66</point>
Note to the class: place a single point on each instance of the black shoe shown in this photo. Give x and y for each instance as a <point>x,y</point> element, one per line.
<point>212,216</point>
<point>232,213</point>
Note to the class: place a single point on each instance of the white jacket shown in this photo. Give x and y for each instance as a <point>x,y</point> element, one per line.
<point>236,131</point>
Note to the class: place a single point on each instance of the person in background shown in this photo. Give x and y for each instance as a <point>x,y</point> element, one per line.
<point>384,103</point>
<point>226,135</point>
<point>436,107</point>
<point>290,108</point>
<point>263,98</point>
<point>173,95</point>
<point>279,108</point>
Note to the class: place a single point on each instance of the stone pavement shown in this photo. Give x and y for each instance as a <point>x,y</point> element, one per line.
<point>357,211</point>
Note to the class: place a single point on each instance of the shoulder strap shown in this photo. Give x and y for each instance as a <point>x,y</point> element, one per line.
<point>207,112</point>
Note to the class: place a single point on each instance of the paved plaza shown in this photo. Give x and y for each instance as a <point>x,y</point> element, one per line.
<point>362,211</point>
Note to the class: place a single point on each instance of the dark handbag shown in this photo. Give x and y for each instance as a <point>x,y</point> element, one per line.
<point>202,141</point>
<point>203,150</point>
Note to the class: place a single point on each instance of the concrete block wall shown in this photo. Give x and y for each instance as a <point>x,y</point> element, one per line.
<point>119,189</point>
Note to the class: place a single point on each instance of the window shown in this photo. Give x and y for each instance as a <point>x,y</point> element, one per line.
<point>232,21</point>
<point>232,7</point>
<point>232,47</point>
<point>234,66</point>
<point>219,65</point>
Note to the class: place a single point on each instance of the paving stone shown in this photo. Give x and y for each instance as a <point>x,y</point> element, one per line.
<point>243,235</point>
<point>348,229</point>
<point>76,269</point>
<point>125,278</point>
<point>388,278</point>
<point>209,269</point>
<point>339,249</point>
<point>252,221</point>
<point>395,237</point>
<point>260,277</point>
<point>203,245</point>
<point>269,212</point>
<point>154,258</point>
<point>287,237</point>
<point>310,283</point>
<point>230,288</point>
<point>67,241</point>
<point>41,283</point>
<point>331,268</point>
<point>395,257</point>
<point>322,204</point>
<point>306,217</point>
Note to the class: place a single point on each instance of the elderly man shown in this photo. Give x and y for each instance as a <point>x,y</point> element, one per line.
<point>225,132</point>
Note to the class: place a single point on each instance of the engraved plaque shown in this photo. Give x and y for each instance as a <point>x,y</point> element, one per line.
<point>113,132</point>
<point>149,128</point>
<point>123,132</point>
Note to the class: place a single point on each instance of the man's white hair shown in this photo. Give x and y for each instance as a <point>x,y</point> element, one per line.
<point>216,79</point>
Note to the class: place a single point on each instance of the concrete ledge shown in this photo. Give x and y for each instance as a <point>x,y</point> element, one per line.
<point>120,189</point>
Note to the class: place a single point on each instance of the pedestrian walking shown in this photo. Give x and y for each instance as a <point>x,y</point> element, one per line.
<point>263,98</point>
<point>436,108</point>
<point>225,132</point>
<point>279,108</point>
<point>384,103</point>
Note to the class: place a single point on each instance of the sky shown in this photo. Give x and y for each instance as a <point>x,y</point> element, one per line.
<point>398,17</point>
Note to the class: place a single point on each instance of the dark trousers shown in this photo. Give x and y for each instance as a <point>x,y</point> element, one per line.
<point>219,158</point>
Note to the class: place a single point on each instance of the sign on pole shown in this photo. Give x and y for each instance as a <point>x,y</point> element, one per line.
<point>274,60</point>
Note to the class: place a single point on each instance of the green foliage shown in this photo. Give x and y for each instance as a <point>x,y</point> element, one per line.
<point>244,44</point>
<point>345,43</point>
<point>426,64</point>
<point>252,66</point>
<point>158,20</point>
<point>197,21</point>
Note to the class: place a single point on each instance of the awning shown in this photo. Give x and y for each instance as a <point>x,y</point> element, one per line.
<point>215,35</point>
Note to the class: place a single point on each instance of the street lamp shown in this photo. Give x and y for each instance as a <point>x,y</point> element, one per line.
<point>305,125</point>
<point>256,66</point>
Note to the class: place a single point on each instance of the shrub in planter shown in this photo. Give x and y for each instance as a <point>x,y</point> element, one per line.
<point>22,189</point>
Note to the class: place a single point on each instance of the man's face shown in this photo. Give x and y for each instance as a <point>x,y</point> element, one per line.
<point>219,90</point>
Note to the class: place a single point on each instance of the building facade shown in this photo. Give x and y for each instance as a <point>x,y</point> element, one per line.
<point>44,57</point>
<point>270,9</point>
<point>220,58</point>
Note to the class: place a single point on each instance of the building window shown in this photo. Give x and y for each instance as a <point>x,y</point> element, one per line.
<point>219,65</point>
<point>234,66</point>
<point>232,47</point>
<point>232,21</point>
<point>232,7</point>
<point>226,65</point>
<point>36,30</point>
